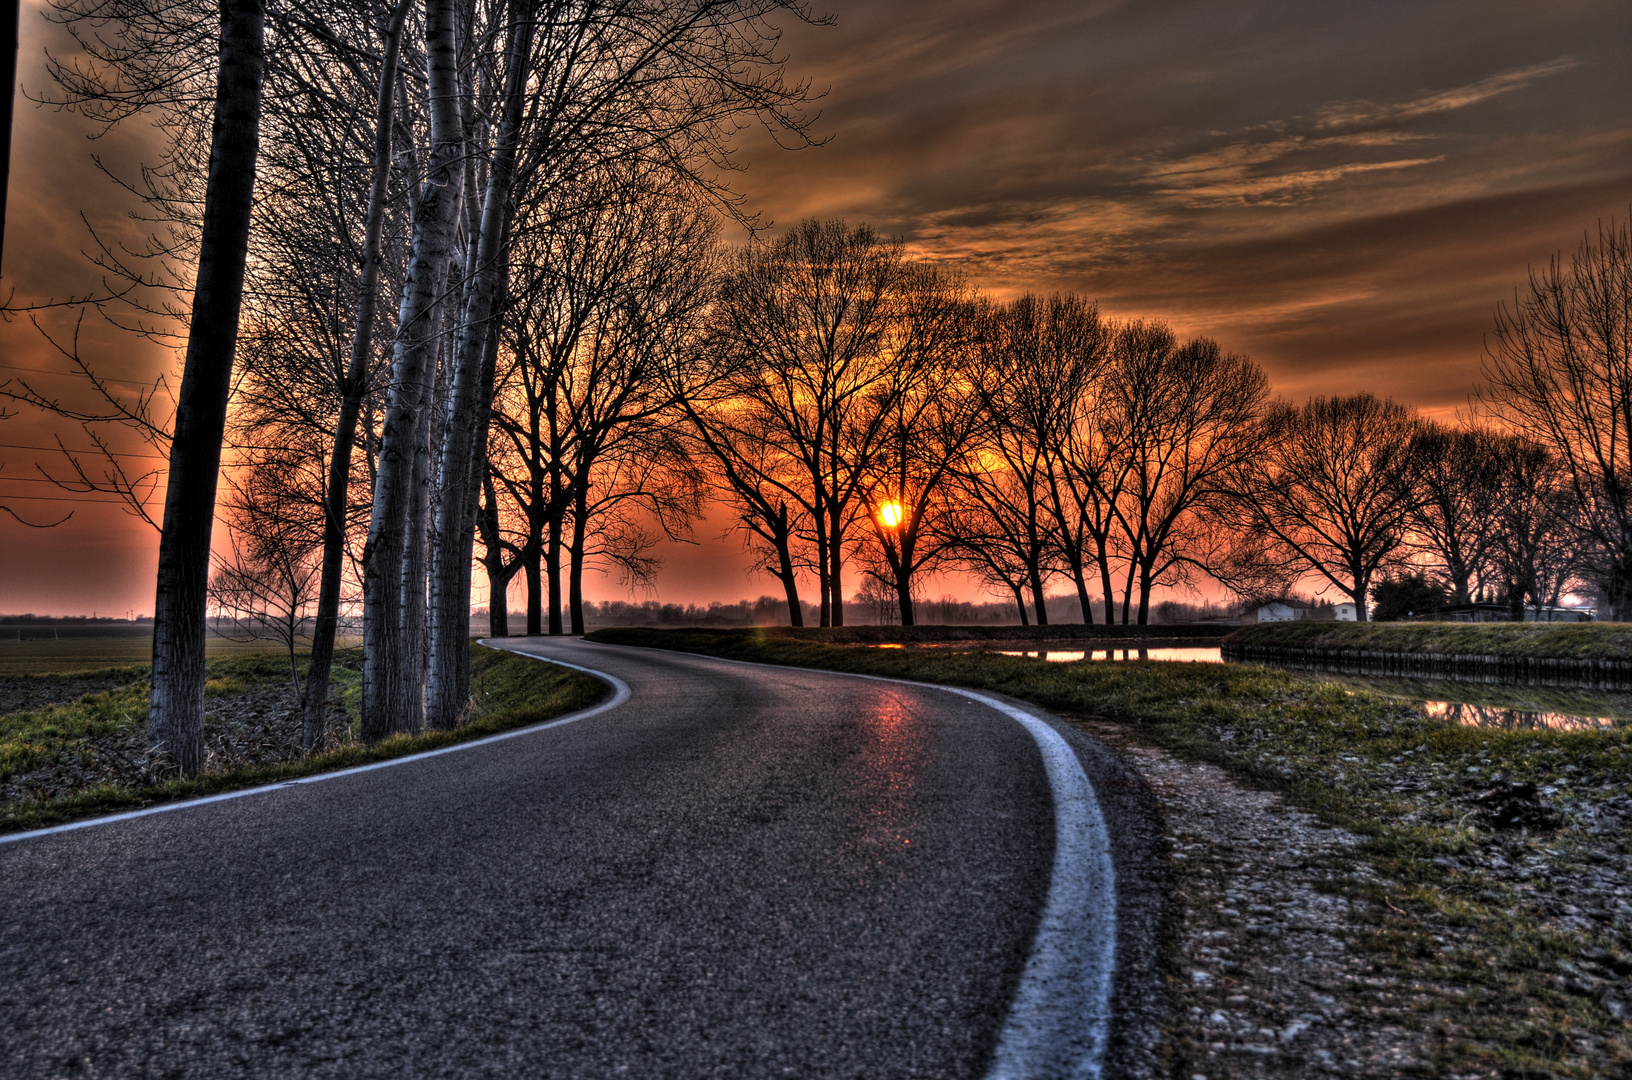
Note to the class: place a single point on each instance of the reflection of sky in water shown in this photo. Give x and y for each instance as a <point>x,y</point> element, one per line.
<point>1490,716</point>
<point>1188,655</point>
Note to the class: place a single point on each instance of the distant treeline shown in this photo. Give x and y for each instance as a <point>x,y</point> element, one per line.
<point>947,611</point>
<point>31,619</point>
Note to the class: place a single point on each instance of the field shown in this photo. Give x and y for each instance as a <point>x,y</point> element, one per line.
<point>34,652</point>
<point>1491,867</point>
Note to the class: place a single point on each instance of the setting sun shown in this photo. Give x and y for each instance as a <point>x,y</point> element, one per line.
<point>891,514</point>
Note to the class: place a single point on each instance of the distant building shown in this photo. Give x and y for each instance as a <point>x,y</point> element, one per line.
<point>1298,611</point>
<point>1502,613</point>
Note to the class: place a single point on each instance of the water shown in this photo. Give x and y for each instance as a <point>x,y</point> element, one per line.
<point>1497,717</point>
<point>1181,654</point>
<point>1493,716</point>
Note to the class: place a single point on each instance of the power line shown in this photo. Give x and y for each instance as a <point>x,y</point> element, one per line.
<point>70,450</point>
<point>76,374</point>
<point>48,498</point>
<point>4,479</point>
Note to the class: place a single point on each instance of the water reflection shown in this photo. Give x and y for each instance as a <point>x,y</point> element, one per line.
<point>1491,716</point>
<point>1183,655</point>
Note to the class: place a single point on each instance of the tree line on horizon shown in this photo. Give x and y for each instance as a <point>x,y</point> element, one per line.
<point>454,295</point>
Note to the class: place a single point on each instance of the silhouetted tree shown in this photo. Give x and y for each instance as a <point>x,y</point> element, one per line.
<point>1452,470</point>
<point>1329,490</point>
<point>1559,371</point>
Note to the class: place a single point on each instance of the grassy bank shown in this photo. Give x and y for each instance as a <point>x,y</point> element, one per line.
<point>1573,641</point>
<point>1501,858</point>
<point>929,635</point>
<point>74,758</point>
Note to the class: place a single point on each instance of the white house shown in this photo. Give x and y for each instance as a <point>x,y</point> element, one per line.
<point>1282,611</point>
<point>1293,611</point>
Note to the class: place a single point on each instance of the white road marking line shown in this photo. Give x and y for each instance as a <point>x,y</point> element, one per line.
<point>620,694</point>
<point>1059,1023</point>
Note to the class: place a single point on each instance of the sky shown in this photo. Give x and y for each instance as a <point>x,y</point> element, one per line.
<point>1343,192</point>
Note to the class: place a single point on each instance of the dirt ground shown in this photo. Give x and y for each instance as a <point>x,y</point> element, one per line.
<point>1276,966</point>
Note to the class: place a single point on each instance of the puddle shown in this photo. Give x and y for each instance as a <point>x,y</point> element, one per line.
<point>1181,654</point>
<point>1491,716</point>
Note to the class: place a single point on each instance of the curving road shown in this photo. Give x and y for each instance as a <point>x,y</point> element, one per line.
<point>732,871</point>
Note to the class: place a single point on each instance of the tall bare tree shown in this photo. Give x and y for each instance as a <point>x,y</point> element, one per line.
<point>929,421</point>
<point>1190,413</point>
<point>1329,491</point>
<point>1452,469</point>
<point>805,321</point>
<point>1559,370</point>
<point>175,721</point>
<point>1533,539</point>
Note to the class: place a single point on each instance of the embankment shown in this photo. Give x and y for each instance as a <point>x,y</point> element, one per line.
<point>1595,656</point>
<point>911,635</point>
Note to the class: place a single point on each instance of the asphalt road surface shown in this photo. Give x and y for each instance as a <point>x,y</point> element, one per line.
<point>732,871</point>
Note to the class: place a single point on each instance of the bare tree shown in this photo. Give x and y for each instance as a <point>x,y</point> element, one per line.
<point>390,669</point>
<point>805,323</point>
<point>1328,491</point>
<point>1457,486</point>
<point>1190,415</point>
<point>929,419</point>
<point>268,584</point>
<point>1036,362</point>
<point>1533,553</point>
<point>1559,370</point>
<point>139,57</point>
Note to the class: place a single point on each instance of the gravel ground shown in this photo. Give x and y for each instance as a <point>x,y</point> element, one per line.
<point>19,692</point>
<point>1281,967</point>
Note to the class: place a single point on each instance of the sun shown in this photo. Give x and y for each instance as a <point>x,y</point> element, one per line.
<point>891,513</point>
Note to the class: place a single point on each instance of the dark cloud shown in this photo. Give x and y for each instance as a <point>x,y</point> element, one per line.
<point>1343,191</point>
<point>1339,189</point>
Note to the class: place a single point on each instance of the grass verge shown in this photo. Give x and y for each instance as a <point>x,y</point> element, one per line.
<point>1500,857</point>
<point>508,691</point>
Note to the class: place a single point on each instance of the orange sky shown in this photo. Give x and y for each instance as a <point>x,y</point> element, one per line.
<point>1342,191</point>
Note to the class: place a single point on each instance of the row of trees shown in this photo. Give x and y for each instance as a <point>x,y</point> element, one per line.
<point>349,210</point>
<point>457,263</point>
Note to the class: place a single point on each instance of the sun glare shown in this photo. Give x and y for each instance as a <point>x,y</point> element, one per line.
<point>891,514</point>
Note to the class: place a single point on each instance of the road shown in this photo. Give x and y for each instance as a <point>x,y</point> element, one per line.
<point>734,871</point>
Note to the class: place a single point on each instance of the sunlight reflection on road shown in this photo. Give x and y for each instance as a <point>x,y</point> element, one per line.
<point>895,752</point>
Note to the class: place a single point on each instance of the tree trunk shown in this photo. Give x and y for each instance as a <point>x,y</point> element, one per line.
<point>410,689</point>
<point>1034,574</point>
<point>448,672</point>
<point>498,575</point>
<point>352,389</point>
<point>1105,583</point>
<point>790,587</point>
<point>903,596</point>
<point>575,586</point>
<point>535,589</point>
<point>835,566</point>
<point>387,663</point>
<point>552,564</point>
<point>1083,599</point>
<point>9,16</point>
<point>175,725</point>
